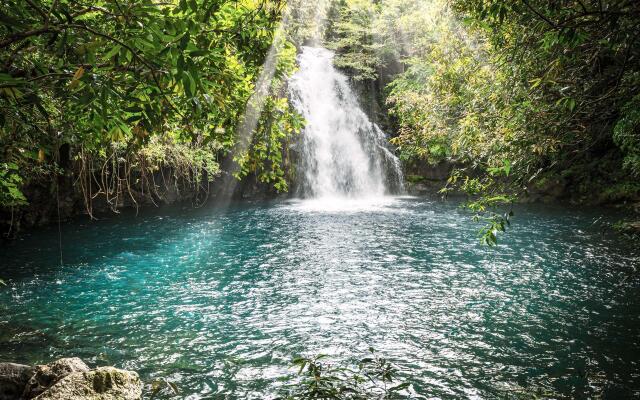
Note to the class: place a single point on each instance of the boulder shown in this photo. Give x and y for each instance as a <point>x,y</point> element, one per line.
<point>13,379</point>
<point>104,383</point>
<point>44,376</point>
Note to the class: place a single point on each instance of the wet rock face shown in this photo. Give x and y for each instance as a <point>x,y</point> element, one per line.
<point>67,379</point>
<point>13,379</point>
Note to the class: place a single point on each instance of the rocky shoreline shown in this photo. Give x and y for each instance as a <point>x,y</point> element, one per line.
<point>67,379</point>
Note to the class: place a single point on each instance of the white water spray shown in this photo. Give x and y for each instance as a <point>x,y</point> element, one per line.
<point>343,153</point>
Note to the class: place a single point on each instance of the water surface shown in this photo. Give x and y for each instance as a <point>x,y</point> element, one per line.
<point>219,301</point>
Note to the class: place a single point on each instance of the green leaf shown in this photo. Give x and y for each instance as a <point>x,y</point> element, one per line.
<point>193,5</point>
<point>189,83</point>
<point>114,50</point>
<point>198,53</point>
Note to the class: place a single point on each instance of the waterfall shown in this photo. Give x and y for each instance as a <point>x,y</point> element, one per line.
<point>342,153</point>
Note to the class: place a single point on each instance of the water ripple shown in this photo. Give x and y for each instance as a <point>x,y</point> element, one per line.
<point>219,302</point>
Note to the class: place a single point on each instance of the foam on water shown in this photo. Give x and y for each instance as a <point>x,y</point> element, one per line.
<point>345,205</point>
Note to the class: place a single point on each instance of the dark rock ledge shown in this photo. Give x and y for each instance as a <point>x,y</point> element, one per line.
<point>67,379</point>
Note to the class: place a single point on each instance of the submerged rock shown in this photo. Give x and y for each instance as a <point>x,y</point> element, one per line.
<point>45,376</point>
<point>105,383</point>
<point>13,379</point>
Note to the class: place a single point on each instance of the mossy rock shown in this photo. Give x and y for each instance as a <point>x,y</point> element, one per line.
<point>45,376</point>
<point>105,383</point>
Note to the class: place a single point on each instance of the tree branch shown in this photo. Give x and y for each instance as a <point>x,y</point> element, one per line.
<point>16,37</point>
<point>547,20</point>
<point>142,60</point>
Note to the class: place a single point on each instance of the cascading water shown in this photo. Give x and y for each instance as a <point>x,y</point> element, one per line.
<point>342,154</point>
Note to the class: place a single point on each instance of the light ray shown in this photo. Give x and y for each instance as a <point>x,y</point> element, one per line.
<point>255,106</point>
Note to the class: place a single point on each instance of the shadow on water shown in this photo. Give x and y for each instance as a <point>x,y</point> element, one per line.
<point>86,242</point>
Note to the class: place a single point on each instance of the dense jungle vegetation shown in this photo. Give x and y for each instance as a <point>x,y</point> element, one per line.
<point>113,92</point>
<point>521,96</point>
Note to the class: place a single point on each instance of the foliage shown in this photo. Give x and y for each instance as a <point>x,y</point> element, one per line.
<point>353,38</point>
<point>113,79</point>
<point>308,21</point>
<point>488,194</point>
<point>276,125</point>
<point>627,135</point>
<point>572,66</point>
<point>164,152</point>
<point>373,378</point>
<point>9,185</point>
